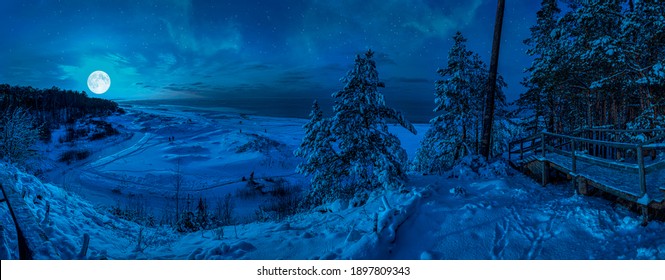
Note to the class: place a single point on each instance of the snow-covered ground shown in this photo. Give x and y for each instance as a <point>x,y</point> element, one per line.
<point>489,216</point>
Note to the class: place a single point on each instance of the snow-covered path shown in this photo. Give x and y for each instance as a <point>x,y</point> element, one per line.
<point>514,218</point>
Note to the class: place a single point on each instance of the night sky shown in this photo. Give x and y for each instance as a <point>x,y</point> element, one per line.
<point>250,49</point>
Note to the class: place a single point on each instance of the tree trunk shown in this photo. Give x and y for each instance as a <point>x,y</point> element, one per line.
<point>488,117</point>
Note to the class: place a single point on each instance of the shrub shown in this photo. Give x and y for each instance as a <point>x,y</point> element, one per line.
<point>73,155</point>
<point>224,211</point>
<point>74,134</point>
<point>281,207</point>
<point>17,135</point>
<point>103,130</point>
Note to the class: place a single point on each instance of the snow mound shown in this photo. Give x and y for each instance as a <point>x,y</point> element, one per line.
<point>476,167</point>
<point>260,144</point>
<point>223,251</point>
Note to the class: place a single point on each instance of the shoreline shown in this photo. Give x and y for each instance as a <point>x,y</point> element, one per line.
<point>274,107</point>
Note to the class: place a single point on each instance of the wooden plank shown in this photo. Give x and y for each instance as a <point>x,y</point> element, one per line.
<point>596,142</point>
<point>613,191</point>
<point>633,168</point>
<point>561,168</point>
<point>624,130</point>
<point>655,166</point>
<point>655,139</point>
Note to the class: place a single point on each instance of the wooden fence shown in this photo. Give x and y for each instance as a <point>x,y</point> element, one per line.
<point>632,151</point>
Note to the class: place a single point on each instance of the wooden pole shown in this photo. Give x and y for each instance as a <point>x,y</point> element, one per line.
<point>542,144</point>
<point>640,163</point>
<point>488,116</point>
<point>542,153</point>
<point>572,152</point>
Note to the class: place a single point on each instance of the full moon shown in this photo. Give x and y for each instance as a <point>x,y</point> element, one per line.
<point>99,82</point>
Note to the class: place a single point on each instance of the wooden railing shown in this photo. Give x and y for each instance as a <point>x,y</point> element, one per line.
<point>600,147</point>
<point>533,142</point>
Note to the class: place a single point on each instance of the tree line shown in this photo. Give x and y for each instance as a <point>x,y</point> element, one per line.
<point>29,114</point>
<point>53,106</point>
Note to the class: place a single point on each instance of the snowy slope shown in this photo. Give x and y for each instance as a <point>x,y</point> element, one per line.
<point>484,216</point>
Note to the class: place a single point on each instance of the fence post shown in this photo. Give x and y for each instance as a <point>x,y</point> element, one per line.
<point>640,163</point>
<point>542,144</point>
<point>542,152</point>
<point>572,152</point>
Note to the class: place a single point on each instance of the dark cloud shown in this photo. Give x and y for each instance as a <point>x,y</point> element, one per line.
<point>258,67</point>
<point>294,77</point>
<point>410,80</point>
<point>384,58</point>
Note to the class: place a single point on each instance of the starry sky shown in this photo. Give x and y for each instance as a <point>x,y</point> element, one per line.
<point>250,50</point>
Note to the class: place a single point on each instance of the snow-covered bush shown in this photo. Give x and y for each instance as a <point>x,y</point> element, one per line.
<point>260,144</point>
<point>646,120</point>
<point>18,134</point>
<point>280,207</point>
<point>224,212</point>
<point>458,191</point>
<point>495,169</point>
<point>73,155</point>
<point>186,222</point>
<point>475,166</point>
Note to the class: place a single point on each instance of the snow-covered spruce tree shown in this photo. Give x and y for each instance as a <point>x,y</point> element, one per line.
<point>320,160</point>
<point>542,96</point>
<point>17,135</point>
<point>371,154</point>
<point>368,156</point>
<point>596,58</point>
<point>455,133</point>
<point>643,35</point>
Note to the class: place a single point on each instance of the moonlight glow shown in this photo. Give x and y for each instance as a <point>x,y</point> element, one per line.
<point>99,82</point>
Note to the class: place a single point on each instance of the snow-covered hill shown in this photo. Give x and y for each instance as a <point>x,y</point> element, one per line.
<point>492,213</point>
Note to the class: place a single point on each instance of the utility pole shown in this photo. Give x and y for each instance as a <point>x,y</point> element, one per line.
<point>488,116</point>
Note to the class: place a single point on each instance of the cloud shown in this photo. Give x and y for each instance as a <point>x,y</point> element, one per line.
<point>258,67</point>
<point>383,21</point>
<point>444,21</point>
<point>165,62</point>
<point>117,58</point>
<point>383,58</point>
<point>294,77</point>
<point>410,80</point>
<point>190,38</point>
<point>68,71</point>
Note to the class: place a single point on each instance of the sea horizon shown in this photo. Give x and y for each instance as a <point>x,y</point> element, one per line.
<point>414,111</point>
